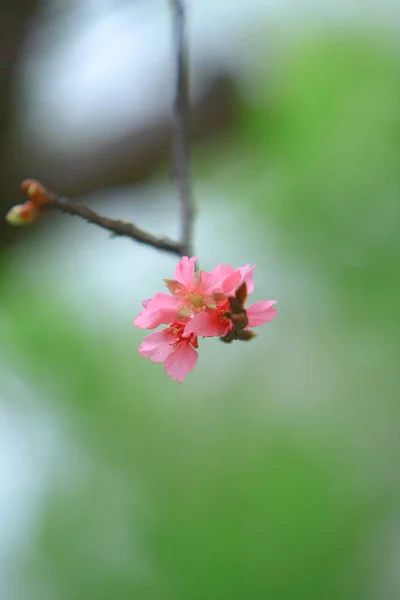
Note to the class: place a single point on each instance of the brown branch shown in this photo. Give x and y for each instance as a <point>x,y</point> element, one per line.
<point>116,226</point>
<point>181,146</point>
<point>40,199</point>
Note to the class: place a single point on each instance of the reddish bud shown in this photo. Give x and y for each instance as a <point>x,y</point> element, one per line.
<point>35,191</point>
<point>23,214</point>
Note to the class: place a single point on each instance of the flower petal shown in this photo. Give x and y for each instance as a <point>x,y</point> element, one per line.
<point>180,362</point>
<point>161,309</point>
<point>214,281</point>
<point>184,272</point>
<point>205,325</point>
<point>246,274</point>
<point>157,346</point>
<point>231,283</point>
<point>239,276</point>
<point>261,312</point>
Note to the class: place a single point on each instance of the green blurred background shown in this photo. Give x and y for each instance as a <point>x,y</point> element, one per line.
<point>272,471</point>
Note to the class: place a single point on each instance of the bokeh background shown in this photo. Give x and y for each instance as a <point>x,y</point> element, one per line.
<point>273,471</point>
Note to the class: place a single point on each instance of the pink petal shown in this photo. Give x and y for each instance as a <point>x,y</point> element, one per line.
<point>227,279</point>
<point>261,312</point>
<point>205,325</point>
<point>180,362</point>
<point>231,283</point>
<point>214,281</point>
<point>246,274</point>
<point>243,274</point>
<point>161,309</point>
<point>157,346</point>
<point>184,272</point>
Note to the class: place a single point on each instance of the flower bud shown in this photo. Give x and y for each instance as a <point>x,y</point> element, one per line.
<point>35,191</point>
<point>23,214</point>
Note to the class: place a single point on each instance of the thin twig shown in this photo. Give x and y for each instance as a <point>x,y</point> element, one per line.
<point>181,146</point>
<point>116,226</point>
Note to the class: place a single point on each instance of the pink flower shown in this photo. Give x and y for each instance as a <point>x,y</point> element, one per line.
<point>162,309</point>
<point>192,292</point>
<point>199,304</point>
<point>218,322</point>
<point>170,347</point>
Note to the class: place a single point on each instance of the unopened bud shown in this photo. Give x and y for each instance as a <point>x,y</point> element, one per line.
<point>23,214</point>
<point>35,191</point>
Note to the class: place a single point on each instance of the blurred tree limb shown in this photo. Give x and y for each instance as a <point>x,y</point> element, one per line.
<point>39,200</point>
<point>181,135</point>
<point>124,160</point>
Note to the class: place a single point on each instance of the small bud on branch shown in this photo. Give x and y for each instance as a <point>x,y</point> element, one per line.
<point>41,200</point>
<point>35,192</point>
<point>23,214</point>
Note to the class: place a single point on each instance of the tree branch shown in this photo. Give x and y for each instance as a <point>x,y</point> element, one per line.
<point>116,226</point>
<point>181,146</point>
<point>39,199</point>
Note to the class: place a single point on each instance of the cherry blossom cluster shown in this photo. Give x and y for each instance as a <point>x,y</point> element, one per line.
<point>199,304</point>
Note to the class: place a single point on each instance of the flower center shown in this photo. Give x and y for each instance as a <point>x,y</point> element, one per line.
<point>195,299</point>
<point>176,330</point>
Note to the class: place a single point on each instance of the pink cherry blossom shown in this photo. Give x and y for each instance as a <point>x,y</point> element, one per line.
<point>217,322</point>
<point>192,292</point>
<point>199,305</point>
<point>198,285</point>
<point>176,352</point>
